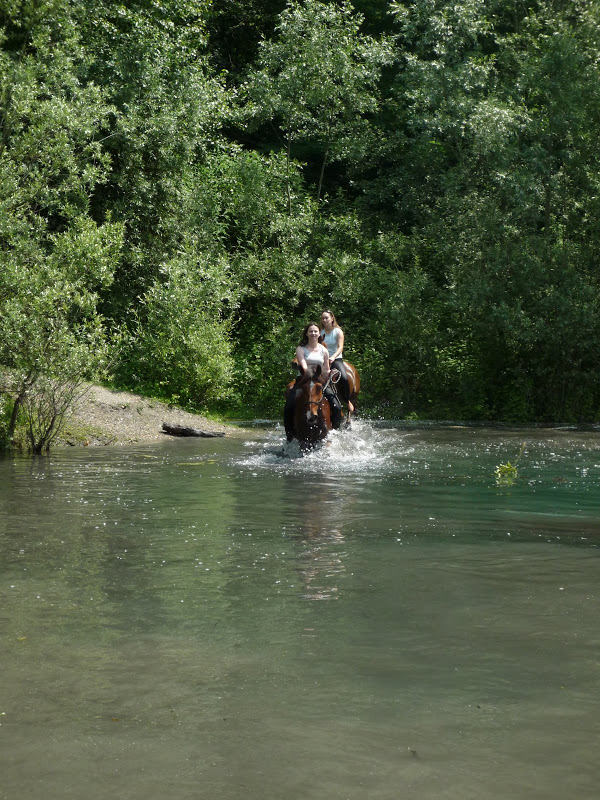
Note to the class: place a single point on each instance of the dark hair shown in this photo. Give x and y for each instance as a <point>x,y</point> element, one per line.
<point>332,315</point>
<point>304,340</point>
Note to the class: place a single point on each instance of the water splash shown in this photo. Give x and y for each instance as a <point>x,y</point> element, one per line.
<point>363,448</point>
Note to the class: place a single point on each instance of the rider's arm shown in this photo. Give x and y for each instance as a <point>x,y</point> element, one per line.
<point>340,345</point>
<point>300,358</point>
<point>325,371</point>
<point>325,363</point>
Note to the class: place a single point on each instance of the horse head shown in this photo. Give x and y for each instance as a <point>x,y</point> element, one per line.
<point>312,419</point>
<point>311,393</point>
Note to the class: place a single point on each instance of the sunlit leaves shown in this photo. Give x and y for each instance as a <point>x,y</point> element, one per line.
<point>54,257</point>
<point>180,347</point>
<point>318,77</point>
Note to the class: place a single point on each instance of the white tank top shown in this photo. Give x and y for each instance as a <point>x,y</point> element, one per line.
<point>314,357</point>
<point>331,340</point>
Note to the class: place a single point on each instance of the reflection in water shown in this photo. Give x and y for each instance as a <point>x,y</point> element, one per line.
<point>322,553</point>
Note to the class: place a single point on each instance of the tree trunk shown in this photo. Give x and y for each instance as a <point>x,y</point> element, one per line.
<point>181,430</point>
<point>321,175</point>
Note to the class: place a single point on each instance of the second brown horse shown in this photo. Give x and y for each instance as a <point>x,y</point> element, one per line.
<point>353,389</point>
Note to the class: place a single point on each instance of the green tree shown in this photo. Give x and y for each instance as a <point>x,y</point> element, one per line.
<point>484,159</point>
<point>151,60</point>
<point>235,29</point>
<point>180,347</point>
<point>54,258</point>
<point>317,79</point>
<point>240,203</point>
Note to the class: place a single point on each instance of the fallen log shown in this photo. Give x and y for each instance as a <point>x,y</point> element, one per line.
<point>181,430</point>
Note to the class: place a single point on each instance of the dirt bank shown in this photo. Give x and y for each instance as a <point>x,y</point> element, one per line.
<point>102,417</point>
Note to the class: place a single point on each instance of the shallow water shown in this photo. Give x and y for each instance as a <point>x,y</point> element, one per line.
<point>221,618</point>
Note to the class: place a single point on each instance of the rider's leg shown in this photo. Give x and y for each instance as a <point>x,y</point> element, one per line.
<point>342,386</point>
<point>336,409</point>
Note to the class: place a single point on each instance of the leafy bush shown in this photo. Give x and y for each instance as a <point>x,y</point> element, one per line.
<point>179,348</point>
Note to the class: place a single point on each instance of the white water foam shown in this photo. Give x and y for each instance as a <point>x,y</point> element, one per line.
<point>362,448</point>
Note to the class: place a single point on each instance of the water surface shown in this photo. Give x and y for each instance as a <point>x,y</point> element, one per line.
<point>221,618</point>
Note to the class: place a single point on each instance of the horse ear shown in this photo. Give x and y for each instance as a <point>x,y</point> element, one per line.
<point>317,370</point>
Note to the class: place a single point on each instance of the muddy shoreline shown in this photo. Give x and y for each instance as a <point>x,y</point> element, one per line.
<point>104,417</point>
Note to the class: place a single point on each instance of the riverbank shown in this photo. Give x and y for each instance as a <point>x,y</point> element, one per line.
<point>103,417</point>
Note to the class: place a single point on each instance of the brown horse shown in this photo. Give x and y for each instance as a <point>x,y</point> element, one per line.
<point>353,388</point>
<point>312,414</point>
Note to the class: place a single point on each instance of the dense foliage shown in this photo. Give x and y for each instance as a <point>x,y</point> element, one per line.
<point>183,185</point>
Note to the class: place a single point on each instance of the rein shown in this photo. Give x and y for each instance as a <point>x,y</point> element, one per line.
<point>334,381</point>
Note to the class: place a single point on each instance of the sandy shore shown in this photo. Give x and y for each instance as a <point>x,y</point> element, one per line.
<point>102,417</point>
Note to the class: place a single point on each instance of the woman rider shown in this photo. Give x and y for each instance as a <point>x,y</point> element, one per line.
<point>309,353</point>
<point>333,337</point>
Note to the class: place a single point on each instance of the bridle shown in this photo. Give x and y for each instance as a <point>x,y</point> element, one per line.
<point>318,403</point>
<point>330,380</point>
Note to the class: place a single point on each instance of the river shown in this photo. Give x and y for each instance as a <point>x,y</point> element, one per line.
<point>222,619</point>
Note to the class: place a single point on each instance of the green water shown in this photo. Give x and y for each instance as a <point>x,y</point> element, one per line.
<point>209,619</point>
